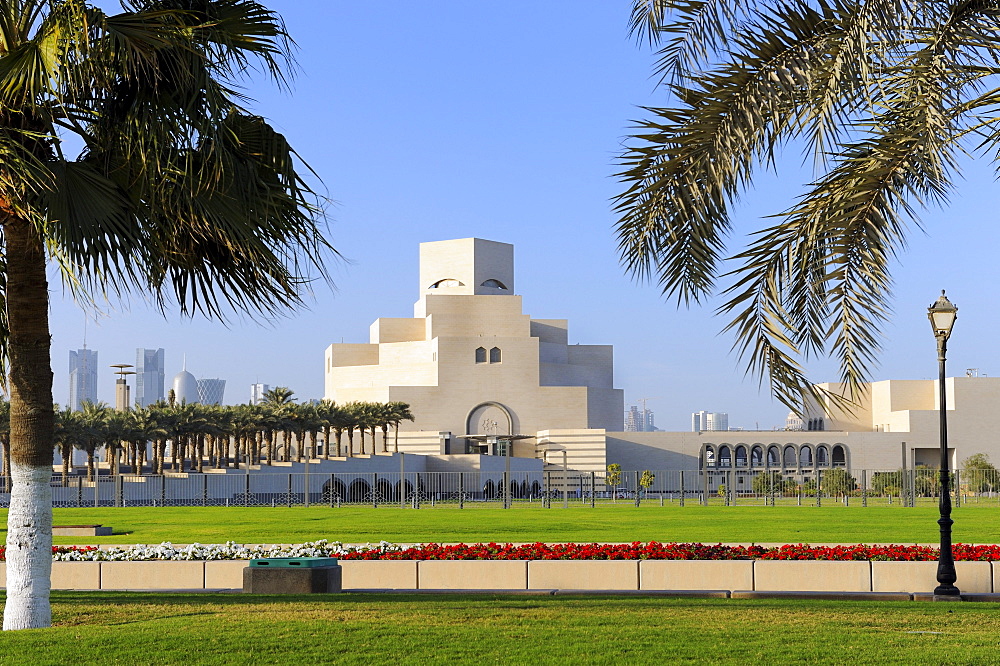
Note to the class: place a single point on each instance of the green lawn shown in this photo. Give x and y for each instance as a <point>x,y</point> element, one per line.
<point>371,629</point>
<point>526,523</point>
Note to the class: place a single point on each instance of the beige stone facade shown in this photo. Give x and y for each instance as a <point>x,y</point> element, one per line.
<point>471,362</point>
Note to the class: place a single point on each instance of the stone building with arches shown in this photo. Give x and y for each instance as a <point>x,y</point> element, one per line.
<point>470,362</point>
<point>475,369</point>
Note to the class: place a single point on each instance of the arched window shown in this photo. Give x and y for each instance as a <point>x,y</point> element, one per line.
<point>805,456</point>
<point>386,491</point>
<point>839,456</point>
<point>447,282</point>
<point>709,456</point>
<point>495,355</point>
<point>496,284</point>
<point>788,456</point>
<point>480,354</point>
<point>489,490</point>
<point>741,456</point>
<point>725,456</point>
<point>822,456</point>
<point>358,491</point>
<point>757,456</point>
<point>773,458</point>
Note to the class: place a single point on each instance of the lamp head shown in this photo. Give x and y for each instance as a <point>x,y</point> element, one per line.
<point>942,314</point>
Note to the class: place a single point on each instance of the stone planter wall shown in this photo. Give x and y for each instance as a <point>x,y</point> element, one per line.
<point>627,575</point>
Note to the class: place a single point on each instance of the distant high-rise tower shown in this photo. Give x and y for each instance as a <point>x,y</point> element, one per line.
<point>701,421</point>
<point>639,421</point>
<point>185,386</point>
<point>148,376</point>
<point>257,392</point>
<point>82,377</point>
<point>210,391</point>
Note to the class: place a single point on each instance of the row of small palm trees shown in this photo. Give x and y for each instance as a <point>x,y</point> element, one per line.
<point>277,430</point>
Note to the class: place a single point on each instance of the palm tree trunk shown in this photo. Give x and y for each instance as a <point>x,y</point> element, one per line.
<point>385,439</point>
<point>90,464</point>
<point>338,433</point>
<point>32,424</point>
<point>67,455</point>
<point>6,464</point>
<point>350,442</point>
<point>395,437</point>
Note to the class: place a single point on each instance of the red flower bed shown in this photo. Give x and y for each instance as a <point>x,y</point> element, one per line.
<point>56,550</point>
<point>668,551</point>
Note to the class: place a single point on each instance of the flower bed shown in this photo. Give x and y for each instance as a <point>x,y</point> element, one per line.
<point>535,551</point>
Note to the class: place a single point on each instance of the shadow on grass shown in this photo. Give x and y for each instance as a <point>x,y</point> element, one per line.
<point>235,599</point>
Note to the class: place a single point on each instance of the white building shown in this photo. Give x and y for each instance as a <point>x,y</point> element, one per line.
<point>149,376</point>
<point>257,392</point>
<point>471,363</point>
<point>701,421</point>
<point>185,387</point>
<point>637,420</point>
<point>82,377</point>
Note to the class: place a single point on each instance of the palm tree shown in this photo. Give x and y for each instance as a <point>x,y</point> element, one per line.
<point>94,419</point>
<point>68,435</point>
<point>280,401</point>
<point>327,414</point>
<point>5,442</point>
<point>353,415</point>
<point>885,96</point>
<point>398,412</point>
<point>178,192</point>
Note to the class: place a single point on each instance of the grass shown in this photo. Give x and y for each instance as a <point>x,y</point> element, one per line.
<point>527,523</point>
<point>409,629</point>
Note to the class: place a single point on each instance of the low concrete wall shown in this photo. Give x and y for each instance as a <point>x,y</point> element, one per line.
<point>628,575</point>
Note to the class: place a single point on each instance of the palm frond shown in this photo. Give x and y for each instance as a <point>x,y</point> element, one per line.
<point>694,160</point>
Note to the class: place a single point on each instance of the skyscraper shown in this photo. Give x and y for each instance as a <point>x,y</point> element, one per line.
<point>210,391</point>
<point>637,420</point>
<point>701,421</point>
<point>82,377</point>
<point>257,392</point>
<point>148,376</point>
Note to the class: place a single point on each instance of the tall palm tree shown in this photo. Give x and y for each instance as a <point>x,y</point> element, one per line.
<point>353,415</point>
<point>68,435</point>
<point>281,402</point>
<point>178,191</point>
<point>326,414</point>
<point>883,95</point>
<point>5,442</point>
<point>398,412</point>
<point>94,418</point>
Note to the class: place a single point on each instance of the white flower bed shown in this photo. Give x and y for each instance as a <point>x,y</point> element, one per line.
<point>227,551</point>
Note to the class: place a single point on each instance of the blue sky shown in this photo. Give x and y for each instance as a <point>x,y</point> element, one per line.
<point>437,120</point>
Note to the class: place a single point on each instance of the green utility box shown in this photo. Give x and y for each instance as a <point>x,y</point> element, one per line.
<point>289,562</point>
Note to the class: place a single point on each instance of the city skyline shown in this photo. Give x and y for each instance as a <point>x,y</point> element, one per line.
<point>510,134</point>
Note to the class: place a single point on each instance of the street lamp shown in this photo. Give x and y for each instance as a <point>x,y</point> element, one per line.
<point>942,315</point>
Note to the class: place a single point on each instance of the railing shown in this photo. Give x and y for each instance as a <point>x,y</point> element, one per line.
<point>736,486</point>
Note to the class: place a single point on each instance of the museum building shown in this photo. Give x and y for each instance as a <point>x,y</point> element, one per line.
<point>480,375</point>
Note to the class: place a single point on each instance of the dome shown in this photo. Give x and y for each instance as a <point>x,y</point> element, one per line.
<point>185,387</point>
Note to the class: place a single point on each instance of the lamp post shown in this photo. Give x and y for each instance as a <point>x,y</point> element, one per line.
<point>942,315</point>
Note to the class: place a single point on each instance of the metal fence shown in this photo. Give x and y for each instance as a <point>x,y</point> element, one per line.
<point>901,488</point>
